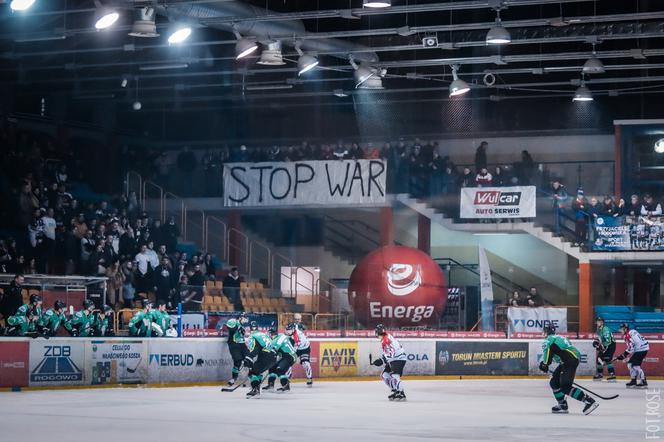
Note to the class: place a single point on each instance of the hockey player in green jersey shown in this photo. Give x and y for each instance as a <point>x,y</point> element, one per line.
<point>236,344</point>
<point>260,358</point>
<point>81,323</point>
<point>286,354</point>
<point>101,325</point>
<point>141,323</point>
<point>606,347</point>
<point>558,349</point>
<point>24,321</point>
<point>161,321</point>
<point>52,319</point>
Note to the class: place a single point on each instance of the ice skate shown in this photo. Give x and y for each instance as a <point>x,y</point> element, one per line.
<point>230,382</point>
<point>400,396</point>
<point>631,384</point>
<point>254,393</point>
<point>591,405</point>
<point>310,382</point>
<point>269,386</point>
<point>284,389</point>
<point>393,395</point>
<point>643,384</point>
<point>598,377</point>
<point>561,408</point>
<point>611,378</point>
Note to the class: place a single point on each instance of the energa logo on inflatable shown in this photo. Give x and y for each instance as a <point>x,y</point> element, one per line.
<point>403,279</point>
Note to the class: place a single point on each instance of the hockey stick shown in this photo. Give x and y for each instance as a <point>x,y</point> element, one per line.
<point>238,382</point>
<point>609,398</point>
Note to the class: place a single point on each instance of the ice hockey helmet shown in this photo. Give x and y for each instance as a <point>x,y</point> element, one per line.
<point>253,326</point>
<point>107,309</point>
<point>273,329</point>
<point>380,330</point>
<point>59,305</point>
<point>147,303</point>
<point>35,298</point>
<point>624,325</point>
<point>88,305</point>
<point>549,329</point>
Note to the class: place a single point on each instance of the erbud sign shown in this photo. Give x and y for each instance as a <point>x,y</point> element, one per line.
<point>533,319</point>
<point>398,287</point>
<point>498,202</point>
<point>304,183</point>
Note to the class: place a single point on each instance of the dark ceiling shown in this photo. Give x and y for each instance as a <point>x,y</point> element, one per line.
<point>53,51</point>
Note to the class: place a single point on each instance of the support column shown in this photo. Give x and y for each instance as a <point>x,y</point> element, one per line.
<point>585,299</point>
<point>424,233</point>
<point>386,226</point>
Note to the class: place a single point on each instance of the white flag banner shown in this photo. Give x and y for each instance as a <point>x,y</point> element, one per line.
<point>498,202</point>
<point>486,291</point>
<point>533,319</point>
<point>300,183</point>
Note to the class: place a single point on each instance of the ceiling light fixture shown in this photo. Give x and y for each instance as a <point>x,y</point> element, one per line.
<point>272,56</point>
<point>367,77</point>
<point>376,3</point>
<point>659,146</point>
<point>306,62</point>
<point>244,46</point>
<point>498,35</point>
<point>593,65</point>
<point>178,33</point>
<point>21,5</point>
<point>144,23</point>
<point>583,93</point>
<point>105,17</point>
<point>458,86</point>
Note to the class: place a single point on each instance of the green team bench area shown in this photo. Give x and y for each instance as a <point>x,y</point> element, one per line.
<point>63,362</point>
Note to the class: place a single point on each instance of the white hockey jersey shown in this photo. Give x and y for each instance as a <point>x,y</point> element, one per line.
<point>392,349</point>
<point>635,342</point>
<point>301,340</point>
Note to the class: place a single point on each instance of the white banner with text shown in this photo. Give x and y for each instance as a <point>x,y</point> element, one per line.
<point>304,183</point>
<point>498,202</point>
<point>533,319</point>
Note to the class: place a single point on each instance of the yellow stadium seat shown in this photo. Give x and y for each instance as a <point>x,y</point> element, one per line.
<point>219,285</point>
<point>217,300</point>
<point>207,300</point>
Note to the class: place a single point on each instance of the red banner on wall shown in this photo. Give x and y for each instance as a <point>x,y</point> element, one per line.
<point>14,357</point>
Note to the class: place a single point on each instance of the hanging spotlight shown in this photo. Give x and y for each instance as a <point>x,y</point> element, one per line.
<point>272,56</point>
<point>105,17</point>
<point>244,47</point>
<point>593,65</point>
<point>659,146</point>
<point>178,33</point>
<point>583,93</point>
<point>21,5</point>
<point>498,35</point>
<point>376,3</point>
<point>144,23</point>
<point>458,86</point>
<point>306,62</point>
<point>367,77</point>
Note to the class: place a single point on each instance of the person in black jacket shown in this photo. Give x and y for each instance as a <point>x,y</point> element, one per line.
<point>232,288</point>
<point>165,280</point>
<point>170,234</point>
<point>12,298</point>
<point>633,208</point>
<point>480,155</point>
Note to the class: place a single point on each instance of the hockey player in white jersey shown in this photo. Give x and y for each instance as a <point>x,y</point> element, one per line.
<point>394,358</point>
<point>637,347</point>
<point>302,348</point>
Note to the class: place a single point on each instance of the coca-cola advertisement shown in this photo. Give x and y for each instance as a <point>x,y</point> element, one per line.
<point>399,287</point>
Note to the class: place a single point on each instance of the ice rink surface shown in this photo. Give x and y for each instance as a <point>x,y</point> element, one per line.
<point>466,410</point>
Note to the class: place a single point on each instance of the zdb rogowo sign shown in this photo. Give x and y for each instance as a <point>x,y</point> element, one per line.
<point>304,183</point>
<point>533,319</point>
<point>498,202</point>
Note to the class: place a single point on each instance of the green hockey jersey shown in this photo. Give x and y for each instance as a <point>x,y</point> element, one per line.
<point>140,324</point>
<point>81,323</point>
<point>259,341</point>
<point>51,321</point>
<point>162,319</point>
<point>101,326</point>
<point>235,331</point>
<point>605,336</point>
<point>283,344</point>
<point>559,349</point>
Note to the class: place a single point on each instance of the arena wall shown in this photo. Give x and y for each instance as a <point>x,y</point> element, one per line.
<point>59,362</point>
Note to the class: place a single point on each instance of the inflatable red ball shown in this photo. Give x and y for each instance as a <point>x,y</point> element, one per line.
<point>398,287</point>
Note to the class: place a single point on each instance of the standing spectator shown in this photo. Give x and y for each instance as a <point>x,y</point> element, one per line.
<point>275,154</point>
<point>210,268</point>
<point>143,270</point>
<point>436,171</point>
<point>483,178</point>
<point>559,196</point>
<point>499,179</point>
<point>164,282</point>
<point>480,155</point>
<point>650,207</point>
<point>526,168</point>
<point>633,208</point>
<point>12,298</point>
<point>466,179</point>
<point>170,234</point>
<point>534,299</point>
<point>340,152</point>
<point>49,225</point>
<point>418,165</point>
<point>515,300</point>
<point>594,209</point>
<point>609,207</point>
<point>356,152</point>
<point>580,217</point>
<point>232,288</point>
<point>449,180</point>
<point>197,278</point>
<point>128,284</point>
<point>114,284</point>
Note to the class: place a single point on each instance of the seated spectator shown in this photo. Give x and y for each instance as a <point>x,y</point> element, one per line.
<point>483,178</point>
<point>594,209</point>
<point>534,299</point>
<point>449,179</point>
<point>499,178</point>
<point>650,207</point>
<point>356,152</point>
<point>466,179</point>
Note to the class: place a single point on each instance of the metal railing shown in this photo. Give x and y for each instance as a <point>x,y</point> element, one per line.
<point>194,226</point>
<point>216,238</point>
<point>153,200</point>
<point>134,183</point>
<point>174,206</point>
<point>331,321</point>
